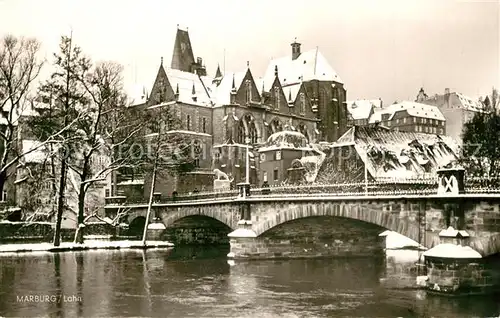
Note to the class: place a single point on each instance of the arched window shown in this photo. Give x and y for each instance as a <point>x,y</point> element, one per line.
<point>253,133</point>
<point>276,126</point>
<point>248,91</point>
<point>277,97</point>
<point>302,105</point>
<point>241,132</point>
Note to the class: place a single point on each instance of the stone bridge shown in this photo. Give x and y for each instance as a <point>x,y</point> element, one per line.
<point>418,217</point>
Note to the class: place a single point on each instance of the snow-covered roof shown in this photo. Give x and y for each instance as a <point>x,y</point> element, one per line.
<point>451,232</point>
<point>309,65</point>
<point>137,94</point>
<point>412,108</point>
<point>286,139</point>
<point>291,91</point>
<point>449,250</point>
<point>470,104</point>
<point>221,94</point>
<point>390,154</point>
<point>360,109</point>
<point>186,81</point>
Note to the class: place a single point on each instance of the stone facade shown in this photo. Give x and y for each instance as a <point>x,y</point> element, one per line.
<point>311,238</point>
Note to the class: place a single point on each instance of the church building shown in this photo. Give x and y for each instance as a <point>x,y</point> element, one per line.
<point>224,114</point>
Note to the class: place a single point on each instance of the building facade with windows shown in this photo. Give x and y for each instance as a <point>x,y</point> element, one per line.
<point>411,117</point>
<point>457,109</point>
<point>229,112</point>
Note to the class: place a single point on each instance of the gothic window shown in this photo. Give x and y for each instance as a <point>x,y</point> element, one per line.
<point>188,122</point>
<point>241,132</point>
<point>253,133</point>
<point>277,96</point>
<point>302,103</point>
<point>248,91</point>
<point>197,152</point>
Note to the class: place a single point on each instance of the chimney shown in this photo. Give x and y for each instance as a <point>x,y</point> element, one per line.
<point>295,50</point>
<point>446,91</point>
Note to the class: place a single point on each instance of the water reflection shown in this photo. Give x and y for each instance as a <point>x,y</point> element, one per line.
<point>199,282</point>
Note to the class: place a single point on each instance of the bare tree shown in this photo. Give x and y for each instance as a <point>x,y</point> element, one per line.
<point>170,153</point>
<point>106,128</point>
<point>68,106</point>
<point>19,67</point>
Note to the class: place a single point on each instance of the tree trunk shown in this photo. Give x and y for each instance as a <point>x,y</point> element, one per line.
<point>81,215</point>
<point>81,202</point>
<point>3,179</point>
<point>60,201</point>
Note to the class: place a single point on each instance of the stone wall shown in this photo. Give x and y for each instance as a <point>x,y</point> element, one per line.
<point>21,232</point>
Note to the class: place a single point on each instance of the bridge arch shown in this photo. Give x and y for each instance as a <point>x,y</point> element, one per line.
<point>384,219</point>
<point>171,215</point>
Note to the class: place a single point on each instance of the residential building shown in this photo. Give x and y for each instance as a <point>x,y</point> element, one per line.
<point>411,117</point>
<point>360,111</point>
<point>455,107</point>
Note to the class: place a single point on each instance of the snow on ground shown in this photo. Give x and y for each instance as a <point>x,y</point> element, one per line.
<point>394,240</point>
<point>88,244</point>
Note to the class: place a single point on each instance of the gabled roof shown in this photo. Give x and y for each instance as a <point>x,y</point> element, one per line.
<point>395,154</point>
<point>414,109</point>
<point>470,104</point>
<point>308,66</point>
<point>291,91</point>
<point>221,94</point>
<point>186,81</point>
<point>360,109</point>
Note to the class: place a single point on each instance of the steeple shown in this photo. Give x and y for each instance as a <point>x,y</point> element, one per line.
<point>218,73</point>
<point>182,56</point>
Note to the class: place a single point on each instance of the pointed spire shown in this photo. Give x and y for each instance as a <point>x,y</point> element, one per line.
<point>276,70</point>
<point>262,86</point>
<point>177,89</point>
<point>161,62</point>
<point>218,73</point>
<point>289,95</point>
<point>233,87</point>
<point>248,64</point>
<point>193,90</point>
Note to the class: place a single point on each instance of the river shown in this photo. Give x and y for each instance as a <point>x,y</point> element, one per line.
<point>201,282</point>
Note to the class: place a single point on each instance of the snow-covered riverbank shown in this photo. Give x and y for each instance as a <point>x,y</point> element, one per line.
<point>87,245</point>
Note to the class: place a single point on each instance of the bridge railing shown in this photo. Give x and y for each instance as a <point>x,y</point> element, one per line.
<point>420,186</point>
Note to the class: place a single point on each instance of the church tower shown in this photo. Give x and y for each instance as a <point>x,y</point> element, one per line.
<point>183,57</point>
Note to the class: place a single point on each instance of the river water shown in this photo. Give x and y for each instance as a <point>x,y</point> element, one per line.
<point>200,282</point>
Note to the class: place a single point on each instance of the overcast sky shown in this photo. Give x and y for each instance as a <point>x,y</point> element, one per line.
<point>380,48</point>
